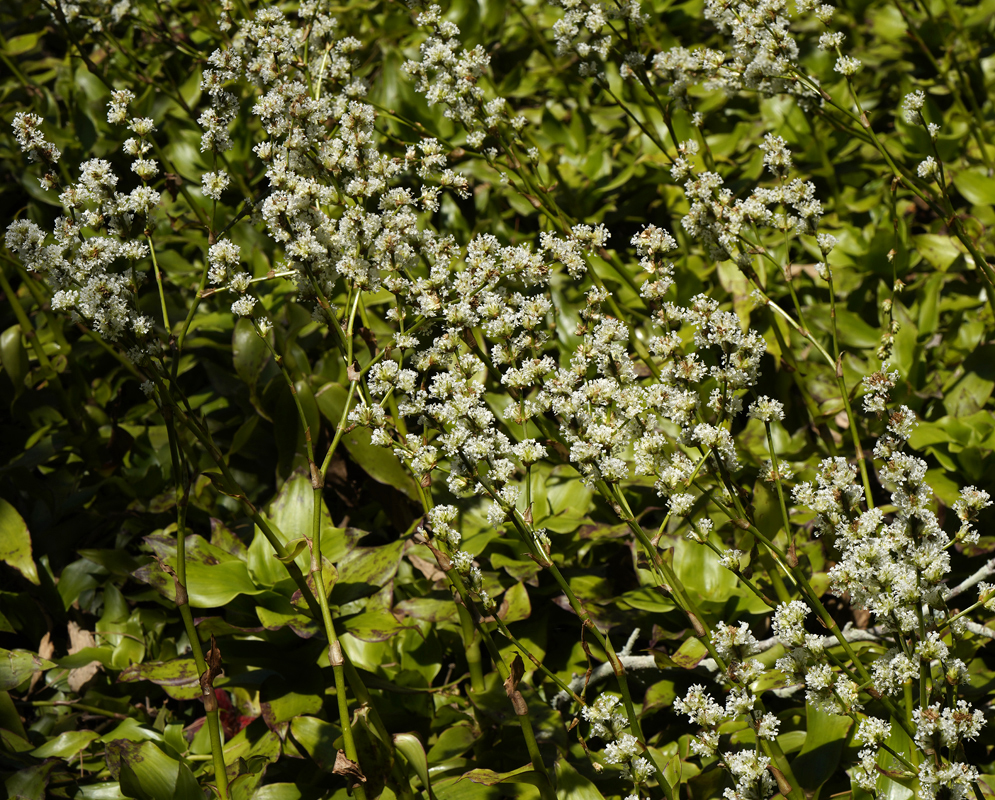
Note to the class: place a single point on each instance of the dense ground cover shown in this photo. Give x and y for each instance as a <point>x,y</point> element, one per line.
<point>566,400</point>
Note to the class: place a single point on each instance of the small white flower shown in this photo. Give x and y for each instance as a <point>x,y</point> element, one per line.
<point>928,169</point>
<point>846,66</point>
<point>767,410</point>
<point>214,183</point>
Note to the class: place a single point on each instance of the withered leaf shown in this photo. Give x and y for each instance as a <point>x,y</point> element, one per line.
<point>511,686</point>
<point>350,769</point>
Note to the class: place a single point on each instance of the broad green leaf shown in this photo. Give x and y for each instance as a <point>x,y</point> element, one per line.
<point>820,755</point>
<point>452,742</point>
<point>660,695</point>
<point>249,352</point>
<point>410,746</point>
<point>291,514</point>
<point>940,251</point>
<point>571,785</point>
<point>281,700</point>
<point>700,571</point>
<point>121,627</point>
<point>218,584</point>
<point>690,653</point>
<point>30,783</point>
<point>304,627</point>
<point>16,666</point>
<point>66,745</point>
<point>15,542</point>
<point>178,677</point>
<point>428,609</point>
<point>929,306</point>
<point>278,791</point>
<point>131,730</point>
<point>152,775</point>
<point>14,742</point>
<point>977,188</point>
<point>18,45</point>
<point>10,719</point>
<point>14,358</point>
<point>366,570</point>
<point>372,626</point>
<point>515,604</point>
<point>317,737</point>
<point>489,777</point>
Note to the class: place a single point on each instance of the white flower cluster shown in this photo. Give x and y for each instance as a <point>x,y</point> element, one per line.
<point>101,228</point>
<point>894,568</point>
<point>608,722</point>
<point>877,388</point>
<point>762,54</point>
<point>92,15</point>
<point>721,222</point>
<point>31,140</point>
<point>735,645</point>
<point>332,201</point>
<point>587,30</point>
<point>449,74</point>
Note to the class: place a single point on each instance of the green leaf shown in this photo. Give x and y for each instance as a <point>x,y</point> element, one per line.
<point>278,791</point>
<point>690,653</point>
<point>410,746</point>
<point>488,777</point>
<point>66,745</point>
<point>16,666</point>
<point>428,609</point>
<point>15,542</point>
<point>210,586</point>
<point>249,352</point>
<point>372,626</point>
<point>30,783</point>
<point>178,677</point>
<point>940,251</point>
<point>281,700</point>
<point>18,45</point>
<point>366,570</point>
<point>660,695</point>
<point>13,742</point>
<point>452,742</point>
<point>291,515</point>
<point>820,755</point>
<point>149,774</point>
<point>571,785</point>
<point>131,730</point>
<point>14,358</point>
<point>977,188</point>
<point>929,307</point>
<point>317,737</point>
<point>515,605</point>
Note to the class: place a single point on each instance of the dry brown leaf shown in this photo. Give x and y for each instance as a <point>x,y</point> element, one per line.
<point>213,659</point>
<point>511,686</point>
<point>46,650</point>
<point>348,768</point>
<point>80,639</point>
<point>427,568</point>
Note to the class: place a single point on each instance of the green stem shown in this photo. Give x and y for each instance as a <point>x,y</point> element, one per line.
<point>183,604</point>
<point>158,280</point>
